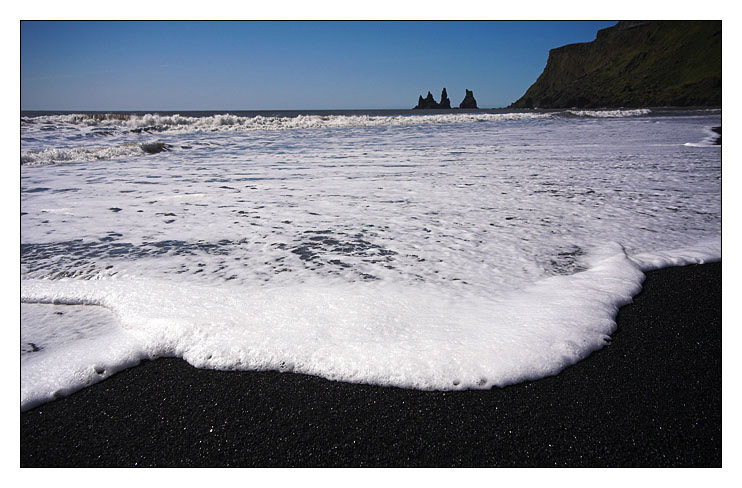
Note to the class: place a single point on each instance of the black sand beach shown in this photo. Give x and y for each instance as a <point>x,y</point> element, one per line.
<point>650,398</point>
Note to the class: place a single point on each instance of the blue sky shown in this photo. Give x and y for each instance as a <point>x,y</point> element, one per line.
<point>282,65</point>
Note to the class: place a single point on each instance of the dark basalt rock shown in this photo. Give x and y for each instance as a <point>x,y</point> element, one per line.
<point>634,64</point>
<point>445,102</point>
<point>427,102</point>
<point>430,103</point>
<point>468,101</point>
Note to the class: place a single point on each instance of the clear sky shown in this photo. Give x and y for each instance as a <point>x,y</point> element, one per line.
<point>283,65</point>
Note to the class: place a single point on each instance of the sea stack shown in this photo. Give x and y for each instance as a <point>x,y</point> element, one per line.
<point>427,102</point>
<point>468,101</point>
<point>445,102</point>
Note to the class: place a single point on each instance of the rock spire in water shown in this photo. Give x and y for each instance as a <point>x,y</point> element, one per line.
<point>445,102</point>
<point>429,102</point>
<point>468,101</point>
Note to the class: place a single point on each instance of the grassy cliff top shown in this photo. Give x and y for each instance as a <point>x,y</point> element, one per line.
<point>632,64</point>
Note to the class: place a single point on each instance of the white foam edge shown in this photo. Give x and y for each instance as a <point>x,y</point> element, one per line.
<point>706,251</point>
<point>403,336</point>
<point>82,363</point>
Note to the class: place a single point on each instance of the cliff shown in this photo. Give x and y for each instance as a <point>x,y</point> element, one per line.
<point>634,64</point>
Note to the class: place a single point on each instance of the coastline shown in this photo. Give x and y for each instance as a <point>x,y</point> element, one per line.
<point>650,398</point>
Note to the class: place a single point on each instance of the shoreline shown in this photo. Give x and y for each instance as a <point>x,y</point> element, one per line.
<point>652,397</point>
<point>717,130</point>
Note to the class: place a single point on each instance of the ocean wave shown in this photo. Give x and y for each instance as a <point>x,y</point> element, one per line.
<point>610,113</point>
<point>230,122</point>
<point>153,122</point>
<point>83,154</point>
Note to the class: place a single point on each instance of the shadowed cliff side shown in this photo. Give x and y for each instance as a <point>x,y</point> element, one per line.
<point>634,64</point>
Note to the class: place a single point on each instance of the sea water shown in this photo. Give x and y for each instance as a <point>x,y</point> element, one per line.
<point>443,250</point>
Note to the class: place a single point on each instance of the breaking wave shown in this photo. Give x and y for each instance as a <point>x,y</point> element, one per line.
<point>230,122</point>
<point>82,154</point>
<point>153,122</point>
<point>611,113</point>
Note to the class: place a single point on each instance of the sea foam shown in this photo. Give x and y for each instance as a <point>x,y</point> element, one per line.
<point>434,256</point>
<point>414,337</point>
<point>405,336</point>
